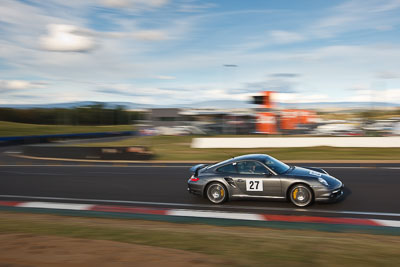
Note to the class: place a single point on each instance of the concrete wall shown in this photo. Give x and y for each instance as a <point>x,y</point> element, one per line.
<point>257,142</point>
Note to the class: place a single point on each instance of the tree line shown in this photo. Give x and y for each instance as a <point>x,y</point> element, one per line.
<point>87,115</point>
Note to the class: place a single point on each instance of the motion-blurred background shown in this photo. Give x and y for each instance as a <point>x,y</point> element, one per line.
<point>180,67</point>
<point>106,104</point>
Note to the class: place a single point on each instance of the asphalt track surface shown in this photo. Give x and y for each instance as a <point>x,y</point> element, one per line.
<point>371,192</point>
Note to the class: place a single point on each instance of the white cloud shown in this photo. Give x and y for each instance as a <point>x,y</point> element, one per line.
<point>369,95</point>
<point>165,77</point>
<point>133,3</point>
<point>357,15</point>
<point>387,75</point>
<point>116,3</point>
<point>179,94</point>
<point>133,90</point>
<point>193,7</point>
<point>67,38</point>
<point>149,35</point>
<point>299,98</point>
<point>19,84</point>
<point>126,57</point>
<point>285,37</point>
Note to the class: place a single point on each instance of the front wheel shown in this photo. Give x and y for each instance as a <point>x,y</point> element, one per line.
<point>301,195</point>
<point>216,193</point>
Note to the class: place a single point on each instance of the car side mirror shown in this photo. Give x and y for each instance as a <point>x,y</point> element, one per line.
<point>267,174</point>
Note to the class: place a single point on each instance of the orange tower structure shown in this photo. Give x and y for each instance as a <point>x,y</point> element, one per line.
<point>269,120</point>
<point>266,120</point>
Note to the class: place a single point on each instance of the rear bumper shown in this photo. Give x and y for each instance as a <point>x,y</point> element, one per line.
<point>195,189</point>
<point>330,195</point>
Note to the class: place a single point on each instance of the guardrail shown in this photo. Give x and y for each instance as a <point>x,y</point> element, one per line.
<point>271,142</point>
<point>34,139</point>
<point>89,153</point>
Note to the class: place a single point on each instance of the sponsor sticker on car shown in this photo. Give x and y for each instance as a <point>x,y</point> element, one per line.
<point>254,185</point>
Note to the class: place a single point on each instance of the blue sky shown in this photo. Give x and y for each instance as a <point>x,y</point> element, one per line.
<point>174,51</point>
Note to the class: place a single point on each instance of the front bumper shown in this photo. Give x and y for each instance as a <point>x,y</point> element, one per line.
<point>327,195</point>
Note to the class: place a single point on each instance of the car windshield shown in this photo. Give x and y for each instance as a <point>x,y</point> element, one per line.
<point>277,166</point>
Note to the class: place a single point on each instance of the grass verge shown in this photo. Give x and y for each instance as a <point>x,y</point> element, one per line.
<point>237,246</point>
<point>178,148</point>
<point>23,129</point>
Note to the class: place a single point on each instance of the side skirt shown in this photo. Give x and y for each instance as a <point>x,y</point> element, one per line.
<point>250,196</point>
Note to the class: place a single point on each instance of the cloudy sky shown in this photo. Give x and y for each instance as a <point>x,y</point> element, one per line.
<point>181,51</point>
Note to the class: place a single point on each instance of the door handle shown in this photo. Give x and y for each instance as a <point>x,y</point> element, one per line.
<point>240,180</point>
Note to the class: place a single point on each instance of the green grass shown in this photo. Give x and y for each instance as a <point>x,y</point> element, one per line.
<point>237,246</point>
<point>22,129</point>
<point>178,148</point>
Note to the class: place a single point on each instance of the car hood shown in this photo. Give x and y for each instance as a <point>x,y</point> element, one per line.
<point>301,172</point>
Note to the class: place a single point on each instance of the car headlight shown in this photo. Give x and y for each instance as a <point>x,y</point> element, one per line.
<point>323,181</point>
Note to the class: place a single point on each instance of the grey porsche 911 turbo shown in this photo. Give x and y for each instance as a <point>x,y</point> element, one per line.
<point>262,176</point>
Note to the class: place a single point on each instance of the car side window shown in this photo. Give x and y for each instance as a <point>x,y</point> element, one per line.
<point>251,167</point>
<point>229,168</point>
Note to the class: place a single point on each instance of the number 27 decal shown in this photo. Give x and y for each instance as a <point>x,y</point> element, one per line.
<point>254,185</point>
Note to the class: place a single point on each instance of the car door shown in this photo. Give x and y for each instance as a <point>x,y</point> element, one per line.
<point>254,179</point>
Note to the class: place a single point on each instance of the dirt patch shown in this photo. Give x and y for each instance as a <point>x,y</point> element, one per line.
<point>30,250</point>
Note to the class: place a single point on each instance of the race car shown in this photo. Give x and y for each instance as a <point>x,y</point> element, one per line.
<point>263,177</point>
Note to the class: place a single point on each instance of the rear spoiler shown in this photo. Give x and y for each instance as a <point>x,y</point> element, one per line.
<point>195,169</point>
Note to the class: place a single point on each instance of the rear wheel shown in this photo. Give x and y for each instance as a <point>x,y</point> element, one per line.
<point>301,195</point>
<point>216,193</point>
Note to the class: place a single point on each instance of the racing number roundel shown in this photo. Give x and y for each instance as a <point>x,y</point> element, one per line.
<point>254,185</point>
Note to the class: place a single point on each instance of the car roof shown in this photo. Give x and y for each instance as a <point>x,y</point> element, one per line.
<point>259,157</point>
<point>251,157</point>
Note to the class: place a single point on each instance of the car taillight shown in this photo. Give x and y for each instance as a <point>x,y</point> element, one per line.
<point>194,179</point>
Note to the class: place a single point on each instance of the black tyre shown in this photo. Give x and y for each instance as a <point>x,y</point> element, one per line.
<point>301,195</point>
<point>216,193</point>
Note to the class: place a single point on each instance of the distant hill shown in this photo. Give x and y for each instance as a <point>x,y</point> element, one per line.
<point>243,104</point>
<point>220,104</point>
<point>127,105</point>
<point>340,105</point>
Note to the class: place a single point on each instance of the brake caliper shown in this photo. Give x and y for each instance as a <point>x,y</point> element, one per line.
<point>295,193</point>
